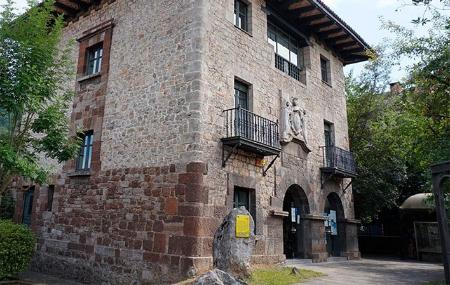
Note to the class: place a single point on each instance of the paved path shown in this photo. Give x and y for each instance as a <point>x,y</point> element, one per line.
<point>372,272</point>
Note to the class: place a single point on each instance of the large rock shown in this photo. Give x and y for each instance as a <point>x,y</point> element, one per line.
<point>232,254</point>
<point>217,277</point>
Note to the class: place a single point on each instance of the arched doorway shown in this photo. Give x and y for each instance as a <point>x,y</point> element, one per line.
<point>335,230</point>
<point>296,204</point>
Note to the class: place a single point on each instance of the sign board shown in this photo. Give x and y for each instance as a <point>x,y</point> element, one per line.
<point>242,226</point>
<point>333,222</point>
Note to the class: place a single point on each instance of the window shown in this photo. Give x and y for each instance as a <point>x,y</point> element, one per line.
<point>245,197</point>
<point>329,142</point>
<point>288,54</point>
<point>241,95</point>
<point>328,134</point>
<point>325,69</point>
<point>241,15</point>
<point>85,156</point>
<point>50,192</point>
<point>94,59</point>
<point>28,206</point>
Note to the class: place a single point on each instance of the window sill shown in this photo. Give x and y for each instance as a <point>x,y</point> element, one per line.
<point>242,30</point>
<point>327,83</point>
<point>80,173</point>
<point>88,77</point>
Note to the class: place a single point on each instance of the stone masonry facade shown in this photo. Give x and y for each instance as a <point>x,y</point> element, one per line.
<point>147,209</point>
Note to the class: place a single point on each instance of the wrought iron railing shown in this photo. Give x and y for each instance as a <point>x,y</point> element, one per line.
<point>287,67</point>
<point>338,158</point>
<point>245,124</point>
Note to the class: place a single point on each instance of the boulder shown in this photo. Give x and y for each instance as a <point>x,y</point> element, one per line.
<point>217,277</point>
<point>230,253</point>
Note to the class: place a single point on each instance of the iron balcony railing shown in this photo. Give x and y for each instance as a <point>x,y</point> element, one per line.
<point>243,124</point>
<point>339,159</point>
<point>287,67</point>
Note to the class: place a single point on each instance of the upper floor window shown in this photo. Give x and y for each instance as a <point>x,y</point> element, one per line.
<point>244,197</point>
<point>94,59</point>
<point>241,14</point>
<point>288,54</point>
<point>85,156</point>
<point>241,95</point>
<point>50,193</point>
<point>325,70</point>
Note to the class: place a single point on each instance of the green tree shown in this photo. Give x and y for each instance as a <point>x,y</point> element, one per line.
<point>34,98</point>
<point>396,137</point>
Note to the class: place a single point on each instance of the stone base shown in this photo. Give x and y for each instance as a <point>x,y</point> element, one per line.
<point>268,259</point>
<point>353,255</point>
<point>319,257</point>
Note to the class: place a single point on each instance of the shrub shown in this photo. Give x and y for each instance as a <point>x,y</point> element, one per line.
<point>17,245</point>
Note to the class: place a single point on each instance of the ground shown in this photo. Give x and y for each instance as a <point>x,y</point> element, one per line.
<point>338,272</point>
<point>372,272</point>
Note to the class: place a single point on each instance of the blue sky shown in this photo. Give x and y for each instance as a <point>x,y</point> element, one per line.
<point>363,16</point>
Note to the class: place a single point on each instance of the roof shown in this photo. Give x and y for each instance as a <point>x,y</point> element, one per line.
<point>314,18</point>
<point>418,202</point>
<point>73,8</point>
<point>311,17</point>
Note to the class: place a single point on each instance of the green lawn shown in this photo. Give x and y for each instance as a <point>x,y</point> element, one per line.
<point>278,275</point>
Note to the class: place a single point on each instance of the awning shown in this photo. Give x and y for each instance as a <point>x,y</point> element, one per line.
<point>418,202</point>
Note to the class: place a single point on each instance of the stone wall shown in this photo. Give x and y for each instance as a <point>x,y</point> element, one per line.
<point>232,53</point>
<point>132,224</point>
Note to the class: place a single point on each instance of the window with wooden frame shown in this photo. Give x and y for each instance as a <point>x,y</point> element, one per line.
<point>85,155</point>
<point>241,15</point>
<point>94,59</point>
<point>325,69</point>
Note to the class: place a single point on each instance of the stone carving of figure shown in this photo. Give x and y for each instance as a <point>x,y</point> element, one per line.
<point>293,122</point>
<point>286,131</point>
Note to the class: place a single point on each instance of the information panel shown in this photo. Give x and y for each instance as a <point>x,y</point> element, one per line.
<point>242,226</point>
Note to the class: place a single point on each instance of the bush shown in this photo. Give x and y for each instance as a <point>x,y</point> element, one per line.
<point>17,245</point>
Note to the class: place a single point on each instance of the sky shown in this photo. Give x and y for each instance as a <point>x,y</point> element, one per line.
<point>364,17</point>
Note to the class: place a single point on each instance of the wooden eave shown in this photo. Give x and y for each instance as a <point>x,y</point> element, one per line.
<point>72,9</point>
<point>314,18</point>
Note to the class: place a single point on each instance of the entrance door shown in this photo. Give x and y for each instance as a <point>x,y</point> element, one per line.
<point>335,232</point>
<point>296,204</point>
<point>28,206</point>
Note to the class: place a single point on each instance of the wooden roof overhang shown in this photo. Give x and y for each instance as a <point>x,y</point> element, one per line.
<point>314,18</point>
<point>72,9</point>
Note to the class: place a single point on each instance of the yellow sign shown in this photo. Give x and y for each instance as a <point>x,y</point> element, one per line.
<point>242,226</point>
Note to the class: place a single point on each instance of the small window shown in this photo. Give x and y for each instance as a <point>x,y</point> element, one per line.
<point>325,69</point>
<point>328,134</point>
<point>241,95</point>
<point>50,192</point>
<point>94,59</point>
<point>85,156</point>
<point>241,15</point>
<point>245,197</point>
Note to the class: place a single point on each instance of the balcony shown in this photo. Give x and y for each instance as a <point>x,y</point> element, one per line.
<point>287,67</point>
<point>338,162</point>
<point>250,132</point>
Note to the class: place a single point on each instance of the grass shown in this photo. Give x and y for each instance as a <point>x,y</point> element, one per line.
<point>277,275</point>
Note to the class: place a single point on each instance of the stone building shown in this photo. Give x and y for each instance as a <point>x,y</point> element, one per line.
<point>190,108</point>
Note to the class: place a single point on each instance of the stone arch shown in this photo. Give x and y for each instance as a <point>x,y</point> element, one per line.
<point>336,240</point>
<point>295,202</point>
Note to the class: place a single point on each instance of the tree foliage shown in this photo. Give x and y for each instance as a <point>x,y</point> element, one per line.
<point>33,98</point>
<point>397,136</point>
